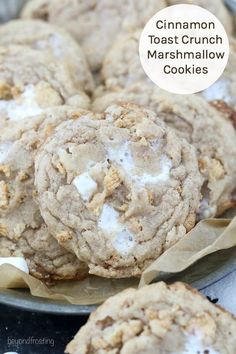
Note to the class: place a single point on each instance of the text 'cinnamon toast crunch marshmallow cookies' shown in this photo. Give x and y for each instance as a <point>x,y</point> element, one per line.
<point>122,68</point>
<point>51,40</point>
<point>23,232</point>
<point>31,81</point>
<point>201,125</point>
<point>119,190</point>
<point>94,23</point>
<point>157,319</point>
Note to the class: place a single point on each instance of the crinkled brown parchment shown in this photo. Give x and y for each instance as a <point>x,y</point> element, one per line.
<point>207,237</point>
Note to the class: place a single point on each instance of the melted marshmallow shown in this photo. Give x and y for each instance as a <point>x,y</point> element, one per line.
<point>4,151</point>
<point>85,185</point>
<point>205,210</point>
<point>123,242</point>
<point>21,107</point>
<point>122,239</point>
<point>18,262</point>
<point>124,158</point>
<point>194,345</point>
<point>163,176</point>
<point>54,42</point>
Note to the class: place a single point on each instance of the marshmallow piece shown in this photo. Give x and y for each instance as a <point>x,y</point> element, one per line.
<point>85,185</point>
<point>122,239</point>
<point>4,150</point>
<point>194,345</point>
<point>23,106</point>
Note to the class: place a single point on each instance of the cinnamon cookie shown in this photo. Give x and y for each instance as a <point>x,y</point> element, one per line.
<point>122,67</point>
<point>157,319</point>
<point>117,191</point>
<point>31,81</point>
<point>22,229</point>
<point>201,125</point>
<point>52,41</point>
<point>94,23</point>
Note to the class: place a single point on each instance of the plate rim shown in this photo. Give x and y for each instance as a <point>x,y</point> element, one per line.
<point>20,299</point>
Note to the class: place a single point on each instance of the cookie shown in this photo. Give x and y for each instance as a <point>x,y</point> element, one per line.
<point>94,23</point>
<point>218,8</point>
<point>46,259</point>
<point>157,319</point>
<point>51,40</point>
<point>122,67</point>
<point>117,191</point>
<point>201,125</point>
<point>31,81</point>
<point>222,93</point>
<point>22,229</point>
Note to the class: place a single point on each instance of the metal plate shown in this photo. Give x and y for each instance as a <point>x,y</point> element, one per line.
<point>21,298</point>
<point>214,276</point>
<point>211,275</point>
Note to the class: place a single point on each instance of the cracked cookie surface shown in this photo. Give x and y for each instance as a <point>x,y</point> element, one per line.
<point>117,189</point>
<point>22,229</point>
<point>31,81</point>
<point>51,40</point>
<point>201,125</point>
<point>157,319</point>
<point>95,23</point>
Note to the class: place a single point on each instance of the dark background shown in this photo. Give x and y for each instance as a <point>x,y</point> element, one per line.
<point>18,325</point>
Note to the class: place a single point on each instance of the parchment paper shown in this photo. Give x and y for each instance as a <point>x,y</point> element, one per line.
<point>208,237</point>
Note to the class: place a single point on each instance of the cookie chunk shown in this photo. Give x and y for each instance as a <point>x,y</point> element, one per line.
<point>201,125</point>
<point>218,8</point>
<point>119,190</point>
<point>22,229</point>
<point>31,81</point>
<point>51,40</point>
<point>94,23</point>
<point>157,319</point>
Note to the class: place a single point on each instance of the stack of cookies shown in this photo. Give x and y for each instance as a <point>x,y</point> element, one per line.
<point>100,170</point>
